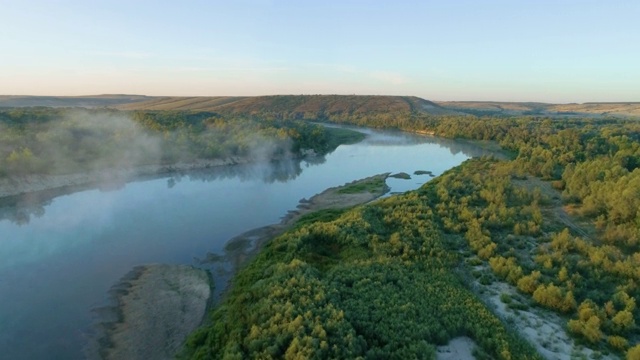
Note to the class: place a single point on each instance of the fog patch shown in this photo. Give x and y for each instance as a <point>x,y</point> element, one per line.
<point>263,149</point>
<point>107,144</point>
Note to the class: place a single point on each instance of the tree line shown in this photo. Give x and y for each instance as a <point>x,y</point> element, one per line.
<point>54,141</point>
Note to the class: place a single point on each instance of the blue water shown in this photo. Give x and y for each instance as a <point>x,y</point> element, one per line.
<point>58,262</point>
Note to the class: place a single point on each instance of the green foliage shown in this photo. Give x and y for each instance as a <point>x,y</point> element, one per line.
<point>325,215</point>
<point>595,163</point>
<point>373,185</point>
<point>339,136</point>
<point>505,298</point>
<point>372,283</point>
<point>42,140</point>
<point>372,264</point>
<point>369,282</point>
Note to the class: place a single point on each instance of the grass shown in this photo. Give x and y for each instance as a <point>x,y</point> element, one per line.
<point>518,306</point>
<point>339,136</point>
<point>373,185</point>
<point>422,172</point>
<point>401,175</point>
<point>505,298</point>
<point>325,215</point>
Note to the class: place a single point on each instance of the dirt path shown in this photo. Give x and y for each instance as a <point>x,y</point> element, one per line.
<point>543,328</point>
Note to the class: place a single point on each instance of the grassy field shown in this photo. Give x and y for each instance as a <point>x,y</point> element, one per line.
<point>618,109</point>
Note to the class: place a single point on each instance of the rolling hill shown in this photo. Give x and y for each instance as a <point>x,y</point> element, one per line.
<point>596,109</point>
<point>90,101</point>
<point>312,106</point>
<point>293,104</point>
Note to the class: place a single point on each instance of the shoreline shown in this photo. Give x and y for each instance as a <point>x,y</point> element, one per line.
<point>243,247</point>
<point>11,187</point>
<point>155,307</point>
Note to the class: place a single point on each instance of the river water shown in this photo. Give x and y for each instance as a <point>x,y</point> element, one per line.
<point>59,258</point>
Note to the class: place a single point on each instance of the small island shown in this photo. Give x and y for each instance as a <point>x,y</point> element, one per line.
<point>422,172</point>
<point>401,175</point>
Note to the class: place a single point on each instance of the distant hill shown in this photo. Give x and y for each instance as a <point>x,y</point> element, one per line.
<point>596,109</point>
<point>197,103</point>
<point>312,106</point>
<point>293,104</point>
<point>90,101</point>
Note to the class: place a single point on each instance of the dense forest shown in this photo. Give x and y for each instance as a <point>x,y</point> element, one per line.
<point>373,282</point>
<point>559,221</point>
<point>55,141</point>
<point>589,271</point>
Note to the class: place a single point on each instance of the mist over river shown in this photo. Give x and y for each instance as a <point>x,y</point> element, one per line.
<point>60,257</point>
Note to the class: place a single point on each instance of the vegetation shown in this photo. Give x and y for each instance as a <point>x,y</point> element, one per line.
<point>374,282</point>
<point>591,275</point>
<point>401,175</point>
<point>369,282</point>
<point>291,106</point>
<point>377,184</point>
<point>559,222</point>
<point>53,141</point>
<point>339,136</point>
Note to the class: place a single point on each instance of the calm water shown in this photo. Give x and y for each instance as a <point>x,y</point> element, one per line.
<point>58,259</point>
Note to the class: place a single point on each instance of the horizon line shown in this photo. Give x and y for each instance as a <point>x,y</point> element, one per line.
<point>334,94</point>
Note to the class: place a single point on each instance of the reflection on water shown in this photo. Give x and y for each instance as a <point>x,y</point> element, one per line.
<point>61,252</point>
<point>20,209</point>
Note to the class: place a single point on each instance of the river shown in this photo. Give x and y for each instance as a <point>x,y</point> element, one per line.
<point>59,258</point>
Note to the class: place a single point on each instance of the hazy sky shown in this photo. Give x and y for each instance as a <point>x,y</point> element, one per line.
<point>510,50</point>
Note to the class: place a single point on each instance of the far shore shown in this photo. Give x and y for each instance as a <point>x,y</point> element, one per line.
<point>20,185</point>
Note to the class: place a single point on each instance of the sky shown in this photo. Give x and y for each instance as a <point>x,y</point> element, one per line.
<point>555,51</point>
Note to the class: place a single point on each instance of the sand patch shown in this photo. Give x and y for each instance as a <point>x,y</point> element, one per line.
<point>157,306</point>
<point>542,328</point>
<point>460,348</point>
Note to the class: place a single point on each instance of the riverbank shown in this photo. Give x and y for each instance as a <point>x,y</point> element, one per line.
<point>12,186</point>
<point>96,235</point>
<point>350,275</point>
<point>155,307</point>
<point>244,246</point>
<point>26,184</point>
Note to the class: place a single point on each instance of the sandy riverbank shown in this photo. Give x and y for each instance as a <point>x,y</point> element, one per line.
<point>155,308</point>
